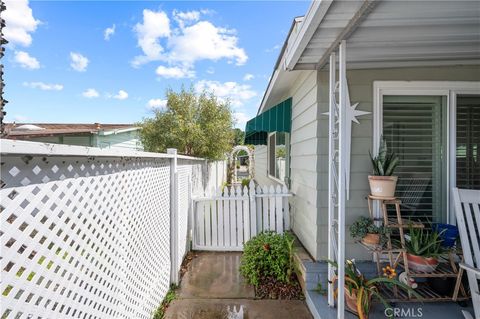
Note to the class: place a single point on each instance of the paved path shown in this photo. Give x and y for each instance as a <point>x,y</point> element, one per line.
<point>213,286</point>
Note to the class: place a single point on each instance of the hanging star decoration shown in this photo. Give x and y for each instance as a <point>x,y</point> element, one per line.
<point>351,116</point>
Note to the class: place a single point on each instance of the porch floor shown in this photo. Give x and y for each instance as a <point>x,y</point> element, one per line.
<point>315,272</point>
<point>212,288</point>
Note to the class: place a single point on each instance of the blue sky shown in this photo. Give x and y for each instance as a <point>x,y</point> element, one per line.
<point>111,61</point>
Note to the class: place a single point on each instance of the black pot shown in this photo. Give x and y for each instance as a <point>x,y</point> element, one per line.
<point>442,285</point>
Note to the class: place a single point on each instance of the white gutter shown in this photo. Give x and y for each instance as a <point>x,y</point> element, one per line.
<point>314,16</point>
<point>117,131</point>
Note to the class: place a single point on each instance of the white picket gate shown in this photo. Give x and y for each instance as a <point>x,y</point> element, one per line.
<point>227,219</point>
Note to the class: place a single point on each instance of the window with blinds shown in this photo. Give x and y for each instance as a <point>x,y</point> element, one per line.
<point>415,129</point>
<point>468,141</point>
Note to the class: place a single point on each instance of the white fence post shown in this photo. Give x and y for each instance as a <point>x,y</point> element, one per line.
<point>253,209</point>
<point>174,276</point>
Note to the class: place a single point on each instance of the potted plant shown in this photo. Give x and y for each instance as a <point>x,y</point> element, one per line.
<point>423,249</point>
<point>365,229</point>
<point>359,291</point>
<point>382,183</point>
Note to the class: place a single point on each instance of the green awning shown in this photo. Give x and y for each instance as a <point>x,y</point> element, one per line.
<point>275,119</point>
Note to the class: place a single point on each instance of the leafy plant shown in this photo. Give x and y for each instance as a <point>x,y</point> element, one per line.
<point>245,182</point>
<point>169,297</point>
<point>384,164</point>
<point>268,254</point>
<point>424,243</point>
<point>365,225</point>
<point>365,289</point>
<point>197,124</point>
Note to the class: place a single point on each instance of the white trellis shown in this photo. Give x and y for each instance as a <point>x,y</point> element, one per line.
<point>341,116</point>
<point>232,157</point>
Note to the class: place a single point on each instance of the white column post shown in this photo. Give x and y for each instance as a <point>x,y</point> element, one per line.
<point>331,181</point>
<point>173,217</point>
<point>341,181</point>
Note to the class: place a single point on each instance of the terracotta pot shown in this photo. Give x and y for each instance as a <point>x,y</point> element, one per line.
<point>371,239</point>
<point>422,264</point>
<point>351,300</point>
<point>383,186</point>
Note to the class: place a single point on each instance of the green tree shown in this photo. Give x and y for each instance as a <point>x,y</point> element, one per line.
<point>239,136</point>
<point>195,124</point>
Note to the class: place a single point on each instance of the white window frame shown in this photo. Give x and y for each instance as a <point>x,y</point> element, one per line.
<point>450,89</point>
<point>273,177</point>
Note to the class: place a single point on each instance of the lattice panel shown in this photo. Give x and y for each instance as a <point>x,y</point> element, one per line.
<point>84,238</point>
<point>184,202</point>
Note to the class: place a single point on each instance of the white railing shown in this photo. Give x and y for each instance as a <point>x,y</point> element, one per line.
<point>227,219</point>
<point>88,233</point>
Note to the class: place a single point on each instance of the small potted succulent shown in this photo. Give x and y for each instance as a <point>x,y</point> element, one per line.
<point>365,229</point>
<point>423,249</point>
<point>382,183</point>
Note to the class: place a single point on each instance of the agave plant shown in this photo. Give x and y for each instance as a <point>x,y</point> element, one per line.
<point>424,243</point>
<point>384,164</point>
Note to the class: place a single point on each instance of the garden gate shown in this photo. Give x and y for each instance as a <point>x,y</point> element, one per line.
<point>229,218</point>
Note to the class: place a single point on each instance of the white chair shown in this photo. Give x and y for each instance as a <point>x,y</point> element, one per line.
<point>467,211</point>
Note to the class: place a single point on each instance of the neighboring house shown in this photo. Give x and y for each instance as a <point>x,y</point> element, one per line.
<point>414,66</point>
<point>122,136</point>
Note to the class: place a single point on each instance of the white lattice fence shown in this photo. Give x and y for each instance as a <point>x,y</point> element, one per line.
<point>86,237</point>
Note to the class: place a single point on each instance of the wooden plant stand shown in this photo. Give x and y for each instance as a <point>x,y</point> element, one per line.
<point>397,258</point>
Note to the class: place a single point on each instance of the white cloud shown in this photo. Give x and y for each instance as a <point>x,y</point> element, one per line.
<point>121,95</point>
<point>274,48</point>
<point>237,93</point>
<point>248,77</point>
<point>240,119</point>
<point>175,72</point>
<point>26,61</point>
<point>44,86</point>
<point>156,104</point>
<point>109,32</point>
<point>210,70</point>
<point>19,22</point>
<point>155,25</point>
<point>204,41</point>
<point>185,17</point>
<point>191,40</point>
<point>79,62</point>
<point>90,93</point>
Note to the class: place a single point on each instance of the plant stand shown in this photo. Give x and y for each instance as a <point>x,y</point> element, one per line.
<point>396,255</point>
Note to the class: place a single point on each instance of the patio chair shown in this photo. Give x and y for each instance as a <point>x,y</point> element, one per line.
<point>467,210</point>
<point>413,192</point>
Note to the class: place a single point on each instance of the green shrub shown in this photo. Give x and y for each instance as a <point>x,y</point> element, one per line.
<point>268,255</point>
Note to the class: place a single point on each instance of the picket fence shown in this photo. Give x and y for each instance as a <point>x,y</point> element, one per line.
<point>228,218</point>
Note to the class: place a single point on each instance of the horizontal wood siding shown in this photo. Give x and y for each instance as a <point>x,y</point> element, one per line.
<point>303,159</point>
<point>361,90</point>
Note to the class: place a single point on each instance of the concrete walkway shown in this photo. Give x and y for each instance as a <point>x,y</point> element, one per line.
<point>212,288</point>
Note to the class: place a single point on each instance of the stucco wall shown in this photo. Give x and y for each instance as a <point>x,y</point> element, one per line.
<point>361,91</point>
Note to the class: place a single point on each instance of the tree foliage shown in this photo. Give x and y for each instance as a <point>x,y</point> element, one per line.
<point>239,136</point>
<point>195,124</point>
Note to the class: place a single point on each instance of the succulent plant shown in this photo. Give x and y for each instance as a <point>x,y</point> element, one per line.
<point>384,164</point>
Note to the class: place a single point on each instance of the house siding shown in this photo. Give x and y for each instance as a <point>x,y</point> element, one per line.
<point>360,84</point>
<point>125,140</point>
<point>303,159</point>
